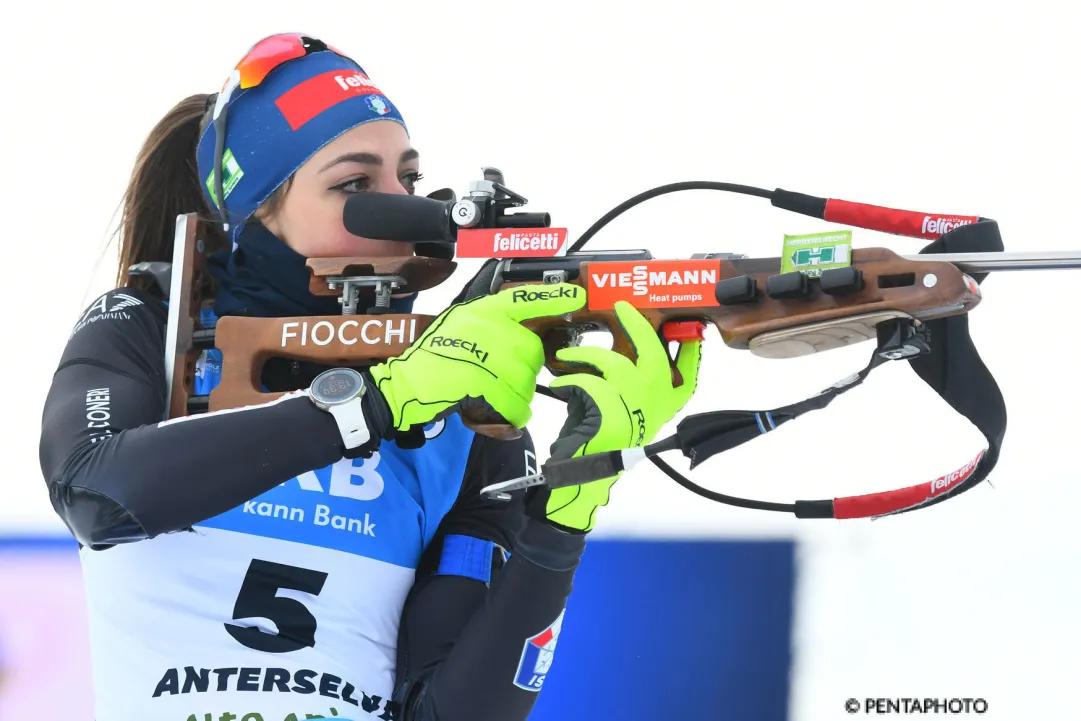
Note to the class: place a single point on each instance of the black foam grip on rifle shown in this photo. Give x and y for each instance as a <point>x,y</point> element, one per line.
<point>799,203</point>
<point>582,469</point>
<point>405,218</point>
<point>704,435</point>
<point>813,509</point>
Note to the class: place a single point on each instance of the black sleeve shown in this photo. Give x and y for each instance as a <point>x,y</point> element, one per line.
<point>462,639</point>
<point>116,473</point>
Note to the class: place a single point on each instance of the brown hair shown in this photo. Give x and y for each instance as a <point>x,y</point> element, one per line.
<point>164,184</point>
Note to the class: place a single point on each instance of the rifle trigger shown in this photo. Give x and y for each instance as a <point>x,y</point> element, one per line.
<point>683,330</point>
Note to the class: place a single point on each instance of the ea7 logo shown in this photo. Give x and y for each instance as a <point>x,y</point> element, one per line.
<point>111,303</point>
<point>530,463</point>
<point>111,306</point>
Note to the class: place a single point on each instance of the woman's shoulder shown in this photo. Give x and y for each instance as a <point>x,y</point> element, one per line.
<point>121,323</point>
<point>122,305</point>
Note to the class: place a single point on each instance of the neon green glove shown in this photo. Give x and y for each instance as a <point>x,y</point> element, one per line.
<point>474,350</point>
<point>623,409</point>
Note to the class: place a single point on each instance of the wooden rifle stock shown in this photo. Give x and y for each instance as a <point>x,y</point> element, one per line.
<point>752,306</point>
<point>801,323</point>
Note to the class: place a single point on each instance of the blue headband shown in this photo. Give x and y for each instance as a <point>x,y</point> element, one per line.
<point>274,127</point>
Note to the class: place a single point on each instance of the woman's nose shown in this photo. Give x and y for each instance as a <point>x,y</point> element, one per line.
<point>392,184</point>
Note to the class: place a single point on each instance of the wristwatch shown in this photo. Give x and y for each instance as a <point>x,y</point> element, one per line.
<point>340,392</point>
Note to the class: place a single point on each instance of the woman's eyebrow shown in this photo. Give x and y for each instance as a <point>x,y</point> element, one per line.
<point>368,159</point>
<point>362,158</point>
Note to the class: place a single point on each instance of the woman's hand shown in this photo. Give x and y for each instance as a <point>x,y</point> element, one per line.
<point>624,408</point>
<point>476,349</point>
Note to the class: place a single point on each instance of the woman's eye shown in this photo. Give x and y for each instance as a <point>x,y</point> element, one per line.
<point>364,184</point>
<point>410,180</point>
<point>356,185</point>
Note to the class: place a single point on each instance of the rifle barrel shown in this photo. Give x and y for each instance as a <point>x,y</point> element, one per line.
<point>985,262</point>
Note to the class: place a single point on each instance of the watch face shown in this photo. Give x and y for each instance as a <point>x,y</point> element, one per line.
<point>337,385</point>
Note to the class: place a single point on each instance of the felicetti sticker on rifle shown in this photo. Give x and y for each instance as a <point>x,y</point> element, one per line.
<point>512,242</point>
<point>653,284</point>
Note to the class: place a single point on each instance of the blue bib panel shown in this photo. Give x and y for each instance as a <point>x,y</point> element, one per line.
<point>386,507</point>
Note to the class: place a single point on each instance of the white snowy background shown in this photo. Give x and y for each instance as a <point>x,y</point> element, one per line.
<point>955,107</point>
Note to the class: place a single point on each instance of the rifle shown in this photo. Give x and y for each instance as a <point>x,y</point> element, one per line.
<point>913,307</point>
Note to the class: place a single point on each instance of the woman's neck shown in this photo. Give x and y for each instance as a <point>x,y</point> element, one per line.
<point>264,277</point>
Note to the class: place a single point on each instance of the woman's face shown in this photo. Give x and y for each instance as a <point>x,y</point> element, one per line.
<point>375,158</point>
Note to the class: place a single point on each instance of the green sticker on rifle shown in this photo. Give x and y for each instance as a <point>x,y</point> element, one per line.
<point>814,253</point>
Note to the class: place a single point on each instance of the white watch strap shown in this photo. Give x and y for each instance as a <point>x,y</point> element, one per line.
<point>351,423</point>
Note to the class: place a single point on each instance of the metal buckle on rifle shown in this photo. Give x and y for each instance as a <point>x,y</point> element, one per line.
<point>384,285</point>
<point>902,338</point>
